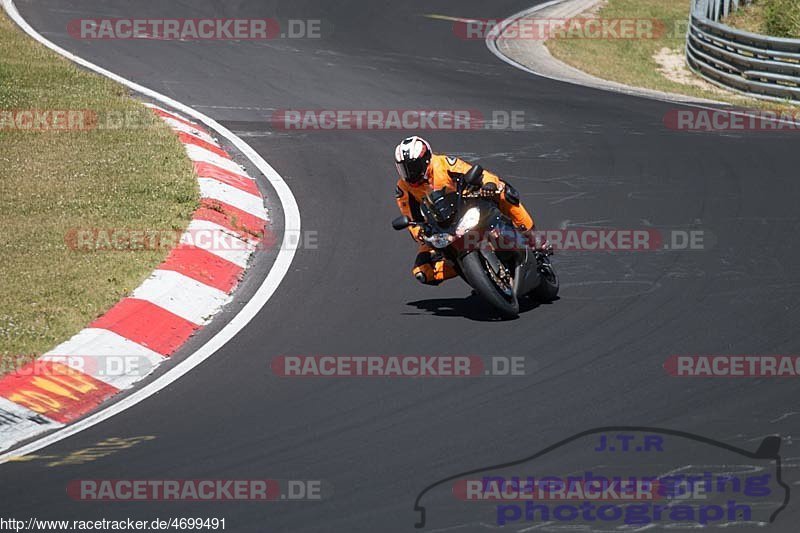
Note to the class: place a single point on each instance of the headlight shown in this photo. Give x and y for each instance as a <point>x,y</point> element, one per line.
<point>468,221</point>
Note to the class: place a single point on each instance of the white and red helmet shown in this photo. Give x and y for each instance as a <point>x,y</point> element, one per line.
<point>412,157</point>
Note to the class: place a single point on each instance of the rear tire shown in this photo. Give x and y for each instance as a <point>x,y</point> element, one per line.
<point>475,273</point>
<point>547,291</point>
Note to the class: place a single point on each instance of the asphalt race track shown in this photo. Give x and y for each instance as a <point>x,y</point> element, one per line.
<point>595,357</point>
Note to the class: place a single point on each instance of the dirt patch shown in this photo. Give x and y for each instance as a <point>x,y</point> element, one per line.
<point>672,65</point>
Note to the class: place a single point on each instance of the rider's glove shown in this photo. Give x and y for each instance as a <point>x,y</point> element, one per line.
<point>543,245</point>
<point>417,233</point>
<point>490,190</point>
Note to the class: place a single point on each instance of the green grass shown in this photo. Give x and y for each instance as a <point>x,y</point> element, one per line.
<point>749,18</point>
<point>51,182</point>
<point>783,18</point>
<point>779,18</point>
<point>630,61</point>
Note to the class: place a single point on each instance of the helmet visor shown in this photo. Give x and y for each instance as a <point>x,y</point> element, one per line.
<point>412,171</point>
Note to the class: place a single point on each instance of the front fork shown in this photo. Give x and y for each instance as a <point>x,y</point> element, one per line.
<point>500,274</point>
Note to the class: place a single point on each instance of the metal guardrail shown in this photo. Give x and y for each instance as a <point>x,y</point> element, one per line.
<point>762,66</point>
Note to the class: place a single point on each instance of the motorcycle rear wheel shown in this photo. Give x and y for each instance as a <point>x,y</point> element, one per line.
<point>547,291</point>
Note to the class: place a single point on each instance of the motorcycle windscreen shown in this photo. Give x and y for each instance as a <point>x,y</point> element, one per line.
<point>442,206</point>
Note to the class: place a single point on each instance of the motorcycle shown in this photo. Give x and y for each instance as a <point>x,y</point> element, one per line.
<point>483,245</point>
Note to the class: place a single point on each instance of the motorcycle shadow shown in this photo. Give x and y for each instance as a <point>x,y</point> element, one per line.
<point>472,307</point>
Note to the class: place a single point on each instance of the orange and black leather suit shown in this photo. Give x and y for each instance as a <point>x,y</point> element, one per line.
<point>441,173</point>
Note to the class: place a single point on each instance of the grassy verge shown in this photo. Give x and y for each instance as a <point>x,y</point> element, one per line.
<point>779,18</point>
<point>749,18</point>
<point>632,61</point>
<point>129,173</point>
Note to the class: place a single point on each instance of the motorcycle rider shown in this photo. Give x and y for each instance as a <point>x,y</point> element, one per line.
<point>421,172</point>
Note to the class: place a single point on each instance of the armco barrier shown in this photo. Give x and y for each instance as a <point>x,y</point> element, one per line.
<point>762,66</point>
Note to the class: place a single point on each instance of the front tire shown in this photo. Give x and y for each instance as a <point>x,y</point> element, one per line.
<point>475,273</point>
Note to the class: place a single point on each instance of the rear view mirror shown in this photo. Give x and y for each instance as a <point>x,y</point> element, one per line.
<point>401,223</point>
<point>474,177</point>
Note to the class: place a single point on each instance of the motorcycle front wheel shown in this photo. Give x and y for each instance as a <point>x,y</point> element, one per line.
<point>476,272</point>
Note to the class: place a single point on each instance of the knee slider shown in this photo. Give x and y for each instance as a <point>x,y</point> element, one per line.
<point>425,274</point>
